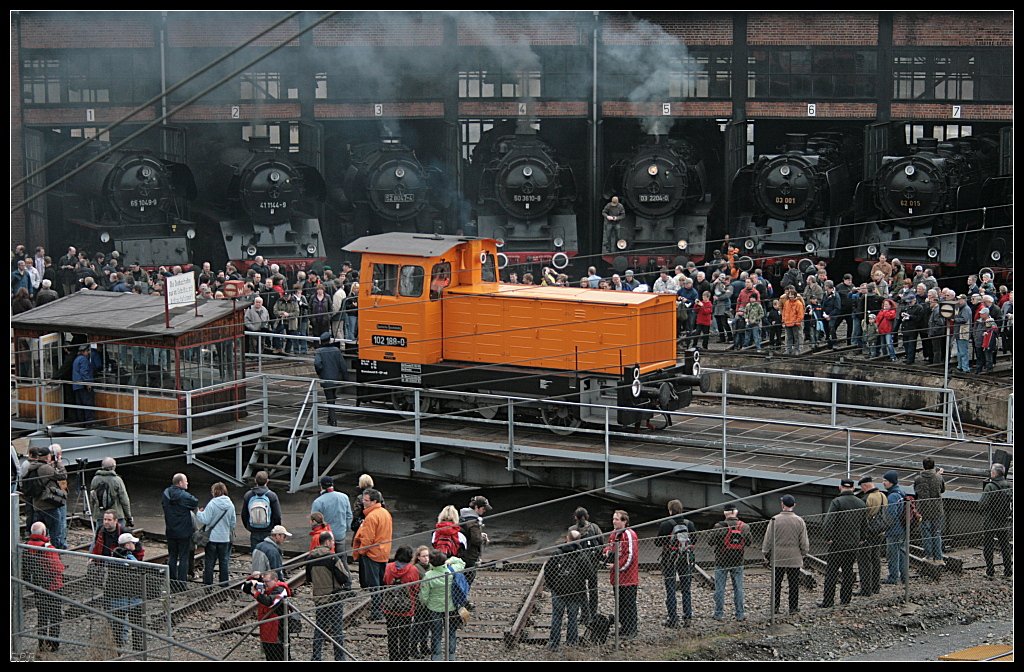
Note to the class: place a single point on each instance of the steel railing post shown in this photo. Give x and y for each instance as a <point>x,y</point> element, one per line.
<point>725,429</point>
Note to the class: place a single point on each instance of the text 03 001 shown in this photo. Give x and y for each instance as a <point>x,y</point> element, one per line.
<point>390,341</point>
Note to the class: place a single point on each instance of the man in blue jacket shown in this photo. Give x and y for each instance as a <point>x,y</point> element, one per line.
<point>83,374</point>
<point>336,509</point>
<point>178,504</point>
<point>895,546</point>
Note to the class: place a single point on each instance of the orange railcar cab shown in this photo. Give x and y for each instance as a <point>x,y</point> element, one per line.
<point>432,315</point>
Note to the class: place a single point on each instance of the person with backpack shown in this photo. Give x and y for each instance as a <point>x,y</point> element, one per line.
<point>44,482</point>
<point>178,505</point>
<point>869,559</point>
<point>441,603</point>
<point>997,507</point>
<point>219,518</point>
<point>784,547</point>
<point>471,520</point>
<point>676,536</point>
<point>447,536</point>
<point>42,567</point>
<point>109,492</point>
<point>400,603</point>
<point>591,541</point>
<point>895,531</point>
<point>327,574</point>
<point>928,488</point>
<point>845,530</point>
<point>261,510</point>
<point>622,559</point>
<point>729,538</point>
<point>565,579</point>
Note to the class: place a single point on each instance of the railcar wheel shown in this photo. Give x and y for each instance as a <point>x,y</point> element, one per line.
<point>488,408</point>
<point>404,401</point>
<point>561,420</point>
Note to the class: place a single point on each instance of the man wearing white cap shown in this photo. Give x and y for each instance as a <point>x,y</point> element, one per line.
<point>123,590</point>
<point>267,555</point>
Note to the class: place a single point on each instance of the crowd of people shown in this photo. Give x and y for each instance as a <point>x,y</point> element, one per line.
<point>423,594</point>
<point>897,313</point>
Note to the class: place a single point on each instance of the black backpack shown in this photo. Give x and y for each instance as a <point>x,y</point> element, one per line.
<point>562,574</point>
<point>31,483</point>
<point>104,498</point>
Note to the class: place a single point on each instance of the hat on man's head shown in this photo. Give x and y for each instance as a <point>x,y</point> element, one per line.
<point>83,346</point>
<point>629,271</point>
<point>325,337</point>
<point>280,529</point>
<point>126,537</point>
<point>866,479</point>
<point>961,296</point>
<point>846,483</point>
<point>891,476</point>
<point>919,268</point>
<point>788,500</point>
<point>479,501</point>
<point>326,482</point>
<point>729,507</point>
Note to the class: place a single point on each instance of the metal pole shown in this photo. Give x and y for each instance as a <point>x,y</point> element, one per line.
<point>834,396</point>
<point>188,426</point>
<point>725,424</point>
<point>511,426</point>
<point>266,407</point>
<point>607,452</point>
<point>775,585</point>
<point>17,592</point>
<point>947,422</point>
<point>135,421</point>
<point>145,644</point>
<point>848,452</point>
<point>905,561</point>
<point>284,622</point>
<point>416,422</point>
<point>445,634</point>
<point>615,586</point>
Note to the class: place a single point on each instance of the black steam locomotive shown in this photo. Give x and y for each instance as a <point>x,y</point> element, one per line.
<point>128,200</point>
<point>258,201</point>
<point>797,203</point>
<point>927,204</point>
<point>666,186</point>
<point>524,198</point>
<point>388,190</point>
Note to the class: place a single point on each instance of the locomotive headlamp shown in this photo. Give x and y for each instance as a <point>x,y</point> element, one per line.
<point>872,250</point>
<point>995,255</point>
<point>527,171</point>
<point>146,172</point>
<point>785,171</point>
<point>748,244</point>
<point>105,237</point>
<point>274,176</point>
<point>910,170</point>
<point>190,233</point>
<point>502,260</point>
<point>311,249</point>
<point>560,260</point>
<point>932,253</point>
<point>499,242</point>
<point>652,170</point>
<point>559,243</point>
<point>809,247</point>
<point>682,245</point>
<point>250,250</point>
<point>621,244</point>
<point>399,172</point>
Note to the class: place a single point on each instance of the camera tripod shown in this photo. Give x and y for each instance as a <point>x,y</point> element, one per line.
<point>83,494</point>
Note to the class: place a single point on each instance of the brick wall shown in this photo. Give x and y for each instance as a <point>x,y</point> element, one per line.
<point>798,110</point>
<point>496,108</point>
<point>809,28</point>
<point>480,29</point>
<point>420,110</point>
<point>227,29</point>
<point>686,28</point>
<point>96,30</point>
<point>953,29</point>
<point>246,112</point>
<point>75,116</point>
<point>694,109</point>
<point>944,112</point>
<point>377,30</point>
<point>17,135</point>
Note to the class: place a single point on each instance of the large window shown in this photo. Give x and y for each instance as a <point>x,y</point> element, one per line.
<point>261,86</point>
<point>953,75</point>
<point>89,76</point>
<point>812,72</point>
<point>41,80</point>
<point>498,84</point>
<point>668,74</point>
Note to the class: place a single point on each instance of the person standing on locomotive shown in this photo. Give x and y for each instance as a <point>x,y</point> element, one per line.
<point>613,211</point>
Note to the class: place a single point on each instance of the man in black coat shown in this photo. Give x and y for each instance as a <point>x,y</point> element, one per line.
<point>915,326</point>
<point>676,536</point>
<point>845,530</point>
<point>332,368</point>
<point>565,577</point>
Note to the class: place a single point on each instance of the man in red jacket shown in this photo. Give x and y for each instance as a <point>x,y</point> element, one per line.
<point>44,569</point>
<point>622,558</point>
<point>107,535</point>
<point>270,597</point>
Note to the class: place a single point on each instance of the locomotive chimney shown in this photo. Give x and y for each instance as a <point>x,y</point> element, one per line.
<point>523,127</point>
<point>796,142</point>
<point>927,144</point>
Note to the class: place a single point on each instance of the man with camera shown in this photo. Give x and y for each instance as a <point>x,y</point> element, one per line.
<point>271,605</point>
<point>44,484</point>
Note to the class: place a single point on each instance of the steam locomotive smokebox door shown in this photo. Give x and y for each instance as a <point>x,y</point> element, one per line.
<point>628,396</point>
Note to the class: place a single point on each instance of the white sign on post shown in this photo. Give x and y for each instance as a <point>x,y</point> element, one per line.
<point>181,290</point>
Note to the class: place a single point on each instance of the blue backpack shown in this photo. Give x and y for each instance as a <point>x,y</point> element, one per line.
<point>460,588</point>
<point>259,511</point>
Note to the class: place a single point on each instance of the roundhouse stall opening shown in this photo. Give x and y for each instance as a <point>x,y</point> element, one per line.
<point>434,317</point>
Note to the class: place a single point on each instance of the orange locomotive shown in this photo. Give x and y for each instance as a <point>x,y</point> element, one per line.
<point>433,316</point>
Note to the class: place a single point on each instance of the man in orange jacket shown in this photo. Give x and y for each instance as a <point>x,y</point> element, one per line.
<point>372,548</point>
<point>792,319</point>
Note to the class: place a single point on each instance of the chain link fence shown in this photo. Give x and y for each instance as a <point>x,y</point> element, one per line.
<point>570,601</point>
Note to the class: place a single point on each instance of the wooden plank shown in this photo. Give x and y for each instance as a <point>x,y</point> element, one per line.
<point>513,634</point>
